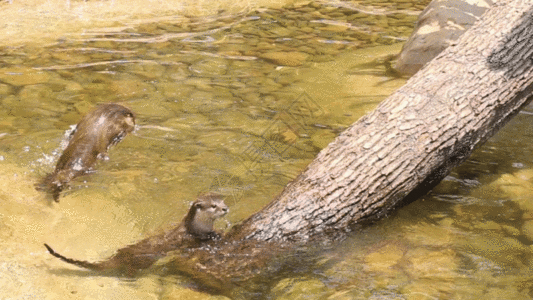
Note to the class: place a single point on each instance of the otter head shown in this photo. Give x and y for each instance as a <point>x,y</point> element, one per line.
<point>203,213</point>
<point>121,121</point>
<point>129,122</point>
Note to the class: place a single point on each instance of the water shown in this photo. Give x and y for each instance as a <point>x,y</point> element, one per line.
<point>238,103</point>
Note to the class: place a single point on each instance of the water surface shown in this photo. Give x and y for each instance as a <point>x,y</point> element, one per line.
<point>240,103</point>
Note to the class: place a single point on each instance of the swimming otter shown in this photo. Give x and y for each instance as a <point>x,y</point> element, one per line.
<point>97,131</point>
<point>192,231</point>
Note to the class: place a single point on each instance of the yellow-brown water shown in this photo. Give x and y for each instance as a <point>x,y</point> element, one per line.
<point>238,102</point>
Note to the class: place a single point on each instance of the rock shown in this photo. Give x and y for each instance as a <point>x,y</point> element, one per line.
<point>174,292</point>
<point>506,292</point>
<point>281,31</point>
<point>432,264</point>
<point>425,289</point>
<point>73,86</point>
<point>83,107</point>
<point>232,141</point>
<point>177,73</point>
<point>334,28</point>
<point>292,288</point>
<point>424,234</point>
<point>172,90</point>
<point>23,76</point>
<point>488,225</point>
<point>5,89</point>
<point>511,186</point>
<point>525,174</point>
<point>69,57</point>
<point>202,101</point>
<point>291,59</point>
<point>33,95</point>
<point>34,99</point>
<point>148,70</point>
<point>154,108</point>
<point>384,258</point>
<point>202,84</point>
<point>441,23</point>
<point>527,230</point>
<point>210,67</point>
<point>510,230</point>
<point>6,231</point>
<point>68,118</point>
<point>506,250</point>
<point>131,88</point>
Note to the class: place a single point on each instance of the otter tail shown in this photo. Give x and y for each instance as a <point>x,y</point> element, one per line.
<point>79,263</point>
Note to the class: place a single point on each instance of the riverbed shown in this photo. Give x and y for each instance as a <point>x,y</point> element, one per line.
<point>236,99</point>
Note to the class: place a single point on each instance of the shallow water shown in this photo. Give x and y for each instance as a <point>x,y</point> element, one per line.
<point>239,104</point>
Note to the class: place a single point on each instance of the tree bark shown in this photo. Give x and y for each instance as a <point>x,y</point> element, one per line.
<point>415,137</point>
<point>398,152</point>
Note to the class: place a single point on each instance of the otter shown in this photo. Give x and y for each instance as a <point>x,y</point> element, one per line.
<point>97,131</point>
<point>195,229</point>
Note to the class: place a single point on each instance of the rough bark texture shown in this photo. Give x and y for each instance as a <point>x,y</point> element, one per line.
<point>415,137</point>
<point>391,156</point>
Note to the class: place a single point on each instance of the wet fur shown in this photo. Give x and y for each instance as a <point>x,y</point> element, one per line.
<point>195,228</point>
<point>97,131</point>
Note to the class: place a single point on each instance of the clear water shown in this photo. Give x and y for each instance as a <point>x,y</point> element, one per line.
<point>209,90</point>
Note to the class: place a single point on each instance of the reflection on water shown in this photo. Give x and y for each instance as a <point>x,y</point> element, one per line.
<point>240,104</point>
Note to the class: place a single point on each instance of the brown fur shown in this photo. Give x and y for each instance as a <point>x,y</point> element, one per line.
<point>97,131</point>
<point>196,227</point>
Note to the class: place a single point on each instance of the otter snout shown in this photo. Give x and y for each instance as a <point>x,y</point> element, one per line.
<point>225,209</point>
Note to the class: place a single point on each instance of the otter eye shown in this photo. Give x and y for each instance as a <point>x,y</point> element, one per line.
<point>213,206</point>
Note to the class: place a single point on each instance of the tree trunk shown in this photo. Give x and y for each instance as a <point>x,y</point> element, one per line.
<point>398,152</point>
<point>412,140</point>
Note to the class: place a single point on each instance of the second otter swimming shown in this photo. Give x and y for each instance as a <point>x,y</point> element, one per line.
<point>97,131</point>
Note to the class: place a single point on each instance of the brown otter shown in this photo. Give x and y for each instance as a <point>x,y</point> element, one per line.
<point>192,231</point>
<point>97,131</point>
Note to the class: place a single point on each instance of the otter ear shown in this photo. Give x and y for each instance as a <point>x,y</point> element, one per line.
<point>197,205</point>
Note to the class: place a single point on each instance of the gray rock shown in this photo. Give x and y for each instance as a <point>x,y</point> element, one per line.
<point>441,23</point>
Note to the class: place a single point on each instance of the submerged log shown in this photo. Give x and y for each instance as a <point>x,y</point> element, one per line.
<point>391,156</point>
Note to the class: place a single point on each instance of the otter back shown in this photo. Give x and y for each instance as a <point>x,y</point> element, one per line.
<point>97,131</point>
